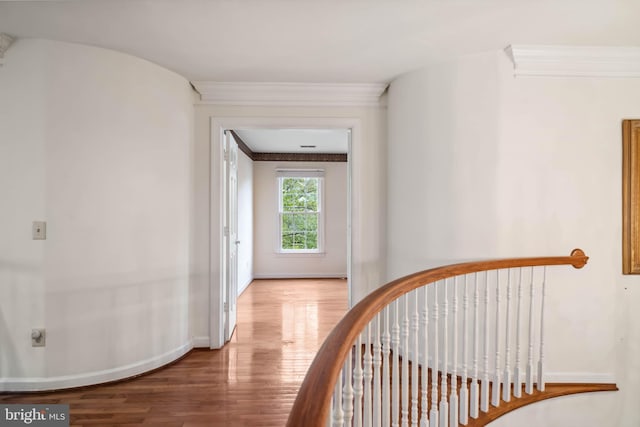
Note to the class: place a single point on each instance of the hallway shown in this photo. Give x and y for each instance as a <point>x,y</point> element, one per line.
<point>252,381</point>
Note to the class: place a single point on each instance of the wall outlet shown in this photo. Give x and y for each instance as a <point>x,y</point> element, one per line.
<point>39,230</point>
<point>38,337</point>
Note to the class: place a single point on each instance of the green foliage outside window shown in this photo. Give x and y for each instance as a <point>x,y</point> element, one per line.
<point>299,213</point>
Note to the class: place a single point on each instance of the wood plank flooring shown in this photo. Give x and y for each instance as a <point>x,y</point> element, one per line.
<point>252,381</point>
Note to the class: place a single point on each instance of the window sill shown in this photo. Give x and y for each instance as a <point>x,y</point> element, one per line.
<point>300,254</point>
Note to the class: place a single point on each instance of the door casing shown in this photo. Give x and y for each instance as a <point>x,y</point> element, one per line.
<point>217,182</point>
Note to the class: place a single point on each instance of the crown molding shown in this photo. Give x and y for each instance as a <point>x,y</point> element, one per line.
<point>574,61</point>
<point>290,94</point>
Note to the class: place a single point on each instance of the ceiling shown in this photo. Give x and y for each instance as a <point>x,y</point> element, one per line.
<point>324,41</point>
<point>290,140</point>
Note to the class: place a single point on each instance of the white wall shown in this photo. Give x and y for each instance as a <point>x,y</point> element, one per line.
<point>268,262</point>
<point>98,144</point>
<point>245,221</point>
<point>485,165</point>
<point>368,198</point>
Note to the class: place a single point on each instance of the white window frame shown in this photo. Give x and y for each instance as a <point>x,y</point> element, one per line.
<point>302,173</point>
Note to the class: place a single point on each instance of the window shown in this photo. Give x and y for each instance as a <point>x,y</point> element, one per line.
<point>300,211</point>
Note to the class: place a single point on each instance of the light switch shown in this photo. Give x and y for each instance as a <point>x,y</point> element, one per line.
<point>39,230</point>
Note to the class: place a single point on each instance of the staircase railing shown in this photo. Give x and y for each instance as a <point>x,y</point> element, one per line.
<point>435,348</point>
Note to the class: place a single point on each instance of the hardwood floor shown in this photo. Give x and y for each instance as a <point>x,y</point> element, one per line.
<point>252,381</point>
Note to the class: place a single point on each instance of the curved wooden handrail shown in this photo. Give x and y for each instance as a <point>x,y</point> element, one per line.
<point>313,401</point>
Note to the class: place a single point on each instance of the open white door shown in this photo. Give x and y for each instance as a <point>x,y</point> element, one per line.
<point>230,235</point>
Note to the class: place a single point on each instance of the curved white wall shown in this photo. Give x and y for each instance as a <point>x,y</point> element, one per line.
<point>98,144</point>
<point>482,164</point>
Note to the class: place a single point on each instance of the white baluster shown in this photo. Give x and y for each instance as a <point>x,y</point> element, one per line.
<point>338,415</point>
<point>495,388</point>
<point>464,387</point>
<point>404,412</point>
<point>517,374</point>
<point>357,385</point>
<point>395,370</point>
<point>532,292</point>
<point>444,405</point>
<point>415,359</point>
<point>368,376</point>
<point>453,396</point>
<point>541,360</point>
<point>347,392</point>
<point>425,360</point>
<point>433,414</point>
<point>474,397</point>
<point>506,382</point>
<point>484,395</point>
<point>377,360</point>
<point>386,392</point>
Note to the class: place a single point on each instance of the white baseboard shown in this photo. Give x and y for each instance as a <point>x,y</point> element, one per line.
<point>201,342</point>
<point>243,287</point>
<point>300,276</point>
<point>92,378</point>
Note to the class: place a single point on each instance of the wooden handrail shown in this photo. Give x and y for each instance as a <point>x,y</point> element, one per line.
<point>313,401</point>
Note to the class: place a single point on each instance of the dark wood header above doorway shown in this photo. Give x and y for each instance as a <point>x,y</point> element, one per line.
<point>288,157</point>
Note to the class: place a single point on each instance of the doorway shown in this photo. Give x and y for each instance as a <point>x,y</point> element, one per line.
<point>223,294</point>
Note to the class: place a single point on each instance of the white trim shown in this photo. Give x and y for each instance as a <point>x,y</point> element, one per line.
<point>242,288</point>
<point>300,276</point>
<point>290,94</point>
<point>92,378</point>
<point>574,61</point>
<point>286,252</point>
<point>201,342</point>
<point>299,254</point>
<point>301,173</point>
<point>216,239</point>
